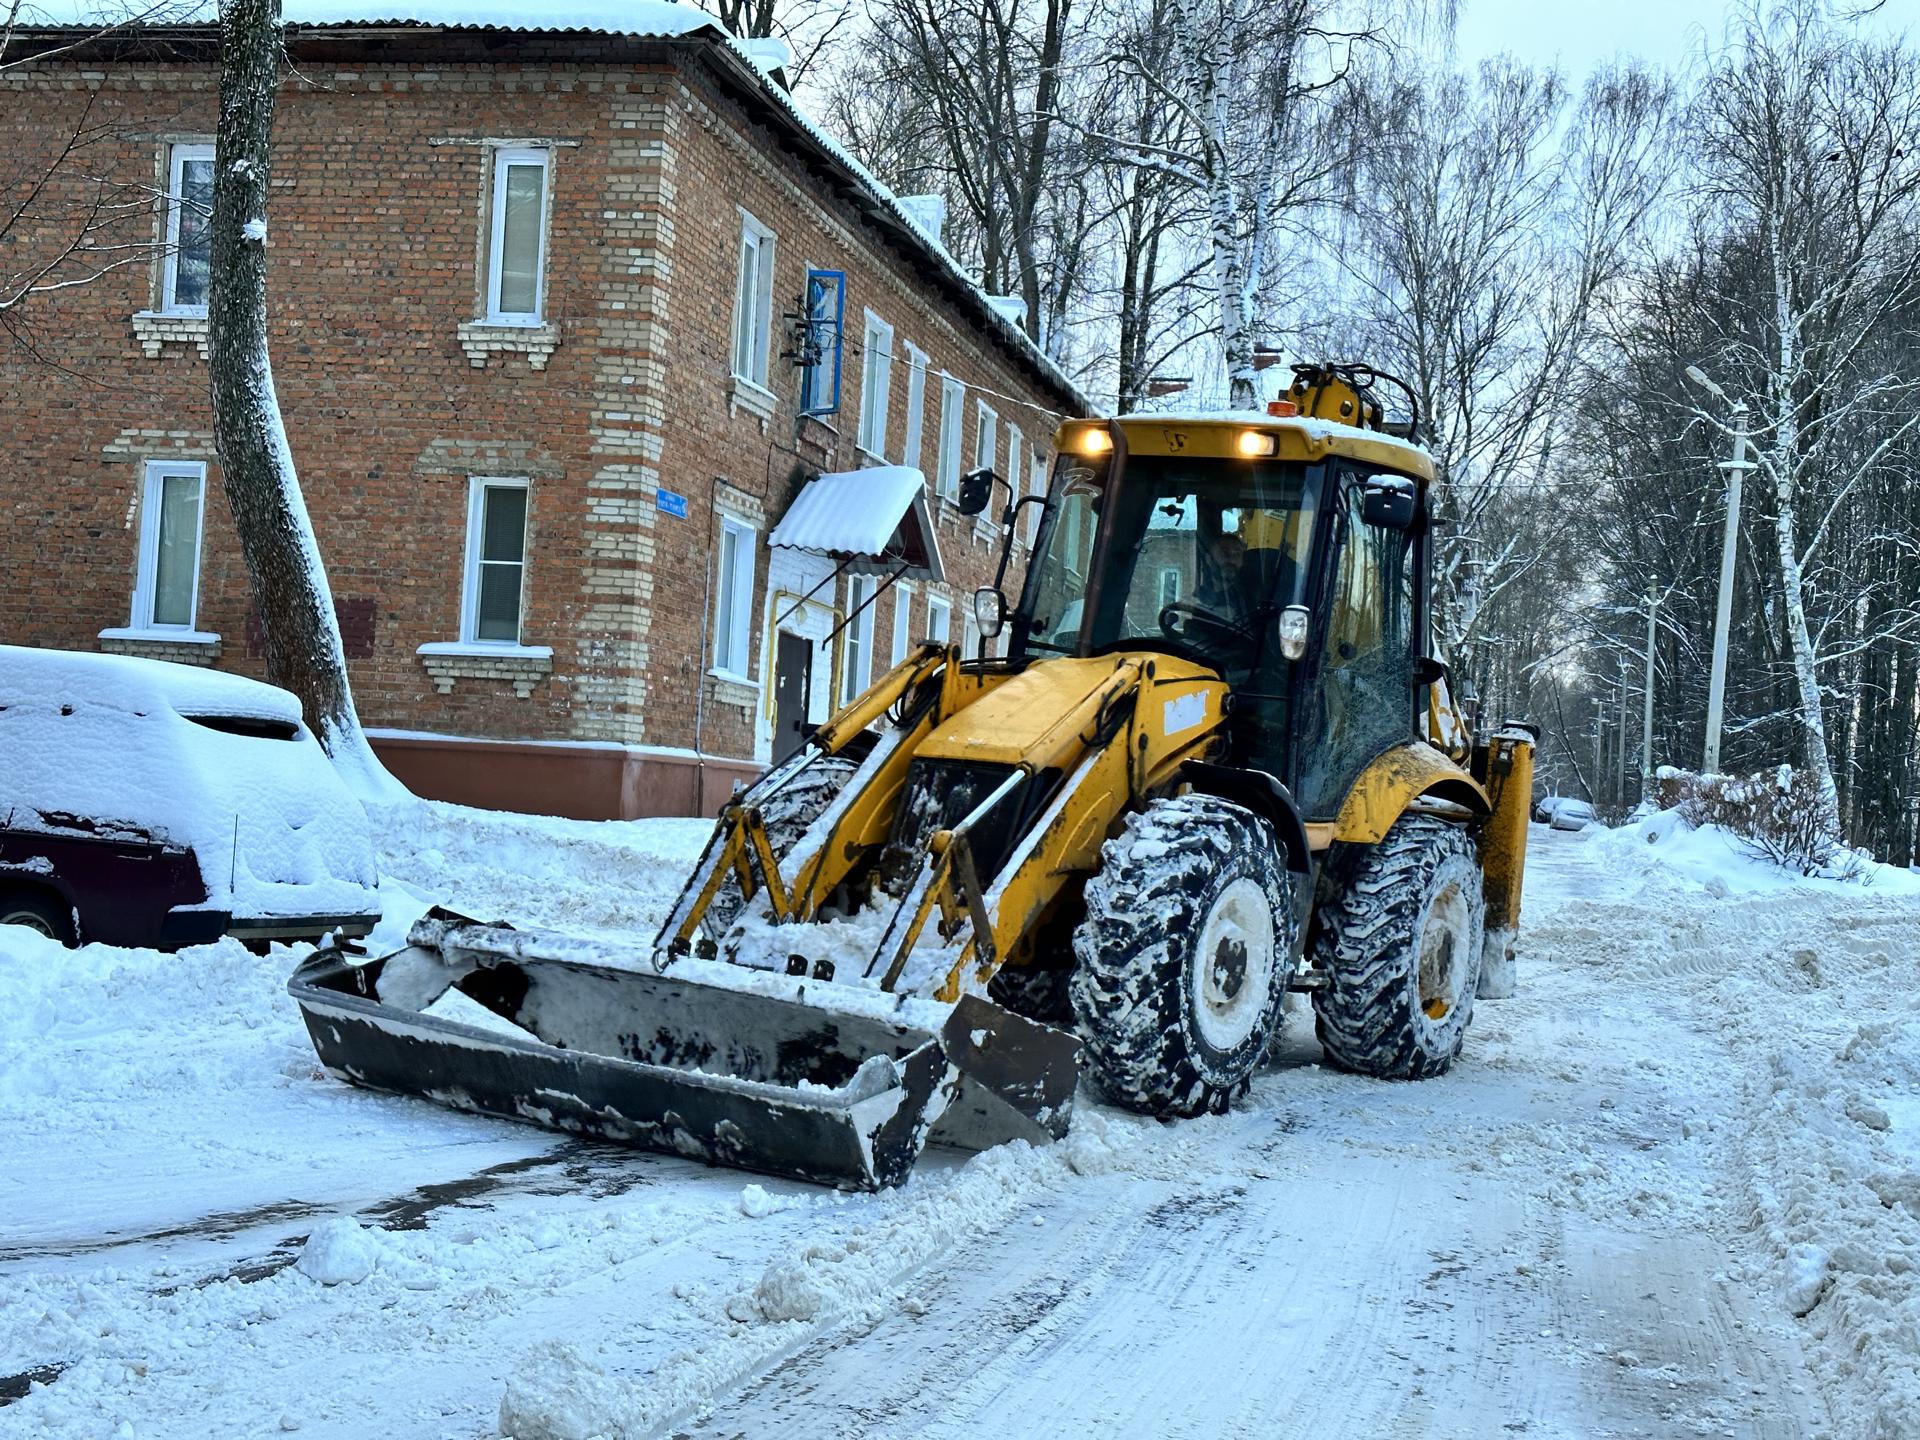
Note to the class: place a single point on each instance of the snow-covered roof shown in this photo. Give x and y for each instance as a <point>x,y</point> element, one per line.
<point>650,19</point>
<point>637,19</point>
<point>877,514</point>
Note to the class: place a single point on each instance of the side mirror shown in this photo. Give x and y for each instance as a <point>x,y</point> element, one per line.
<point>976,490</point>
<point>1391,502</point>
<point>1295,625</point>
<point>989,611</point>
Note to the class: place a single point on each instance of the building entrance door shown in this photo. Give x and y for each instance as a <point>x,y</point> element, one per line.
<point>792,684</point>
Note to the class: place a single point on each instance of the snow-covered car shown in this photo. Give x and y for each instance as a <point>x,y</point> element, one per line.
<point>145,803</point>
<point>1543,809</point>
<point>1571,814</point>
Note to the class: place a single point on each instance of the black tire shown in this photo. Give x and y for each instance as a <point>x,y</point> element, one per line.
<point>1399,944</point>
<point>38,911</point>
<point>1184,871</point>
<point>1033,992</point>
<point>787,816</point>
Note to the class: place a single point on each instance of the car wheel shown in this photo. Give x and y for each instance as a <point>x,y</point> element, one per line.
<point>39,912</point>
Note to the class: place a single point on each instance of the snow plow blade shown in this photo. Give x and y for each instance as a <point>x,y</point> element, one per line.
<point>789,1077</point>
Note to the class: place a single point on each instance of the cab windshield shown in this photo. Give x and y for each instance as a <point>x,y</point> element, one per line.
<point>1197,555</point>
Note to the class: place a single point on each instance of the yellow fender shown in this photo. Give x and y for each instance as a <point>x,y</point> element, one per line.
<point>1394,781</point>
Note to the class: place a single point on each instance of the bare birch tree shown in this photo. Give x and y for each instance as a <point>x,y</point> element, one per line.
<point>1245,79</point>
<point>1485,225</point>
<point>1810,141</point>
<point>304,652</point>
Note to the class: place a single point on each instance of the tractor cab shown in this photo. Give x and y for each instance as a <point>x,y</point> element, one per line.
<point>1285,551</point>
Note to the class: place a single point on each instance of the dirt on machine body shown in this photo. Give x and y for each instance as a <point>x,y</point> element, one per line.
<point>1219,761</point>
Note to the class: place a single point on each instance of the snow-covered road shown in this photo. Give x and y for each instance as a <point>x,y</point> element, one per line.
<point>1707,1090</point>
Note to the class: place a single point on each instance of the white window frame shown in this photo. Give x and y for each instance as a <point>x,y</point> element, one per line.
<point>986,435</point>
<point>733,651</point>
<point>477,488</point>
<point>153,480</point>
<point>915,441</point>
<point>497,233</point>
<point>1169,572</point>
<point>876,384</point>
<point>953,411</point>
<point>856,641</point>
<point>1037,485</point>
<point>177,158</point>
<point>752,336</point>
<point>903,636</point>
<point>969,638</point>
<point>937,605</point>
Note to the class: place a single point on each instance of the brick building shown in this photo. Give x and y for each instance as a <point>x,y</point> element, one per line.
<point>550,310</point>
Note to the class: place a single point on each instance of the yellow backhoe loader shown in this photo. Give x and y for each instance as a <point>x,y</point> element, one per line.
<point>1216,762</point>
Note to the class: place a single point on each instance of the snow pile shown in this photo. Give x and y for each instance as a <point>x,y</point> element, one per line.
<point>1718,859</point>
<point>537,870</point>
<point>131,746</point>
<point>339,1253</point>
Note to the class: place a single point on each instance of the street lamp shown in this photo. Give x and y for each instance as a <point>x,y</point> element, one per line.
<point>1735,466</point>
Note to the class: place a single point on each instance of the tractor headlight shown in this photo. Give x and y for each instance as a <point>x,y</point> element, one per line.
<point>1294,621</point>
<point>1256,443</point>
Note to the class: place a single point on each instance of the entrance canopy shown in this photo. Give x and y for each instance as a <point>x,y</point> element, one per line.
<point>871,522</point>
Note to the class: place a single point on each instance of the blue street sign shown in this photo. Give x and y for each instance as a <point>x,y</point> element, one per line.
<point>674,505</point>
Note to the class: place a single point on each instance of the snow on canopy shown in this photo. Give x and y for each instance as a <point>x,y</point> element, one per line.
<point>879,513</point>
<point>130,746</point>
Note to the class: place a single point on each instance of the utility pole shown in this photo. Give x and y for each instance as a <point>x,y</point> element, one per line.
<point>1646,719</point>
<point>1594,791</point>
<point>1735,467</point>
<point>1620,773</point>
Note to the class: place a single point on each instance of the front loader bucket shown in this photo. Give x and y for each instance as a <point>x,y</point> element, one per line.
<point>786,1076</point>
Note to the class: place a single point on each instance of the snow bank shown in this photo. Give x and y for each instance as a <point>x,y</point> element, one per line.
<point>131,744</point>
<point>1717,859</point>
<point>537,870</point>
<point>1808,1095</point>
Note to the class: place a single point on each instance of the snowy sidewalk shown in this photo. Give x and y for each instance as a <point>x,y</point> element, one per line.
<point>1704,1091</point>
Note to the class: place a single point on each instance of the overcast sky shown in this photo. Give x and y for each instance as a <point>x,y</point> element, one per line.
<point>1577,35</point>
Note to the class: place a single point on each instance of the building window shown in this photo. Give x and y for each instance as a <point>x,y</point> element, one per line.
<point>733,599</point>
<point>166,584</point>
<point>1036,485</point>
<point>1169,585</point>
<point>820,342</point>
<point>517,241</point>
<point>856,649</point>
<point>496,561</point>
<point>188,262</point>
<point>953,399</point>
<point>753,302</point>
<point>970,647</point>
<point>902,621</point>
<point>876,379</point>
<point>986,436</point>
<point>916,406</point>
<point>939,619</point>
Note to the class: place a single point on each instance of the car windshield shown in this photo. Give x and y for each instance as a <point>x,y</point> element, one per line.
<point>1203,554</point>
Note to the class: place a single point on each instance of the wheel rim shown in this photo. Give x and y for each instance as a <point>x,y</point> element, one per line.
<point>1443,952</point>
<point>1232,971</point>
<point>34,922</point>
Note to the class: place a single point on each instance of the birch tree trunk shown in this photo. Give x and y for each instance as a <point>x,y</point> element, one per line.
<point>304,653</point>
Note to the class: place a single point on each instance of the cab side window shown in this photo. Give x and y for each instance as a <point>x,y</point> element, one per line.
<point>1363,698</point>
